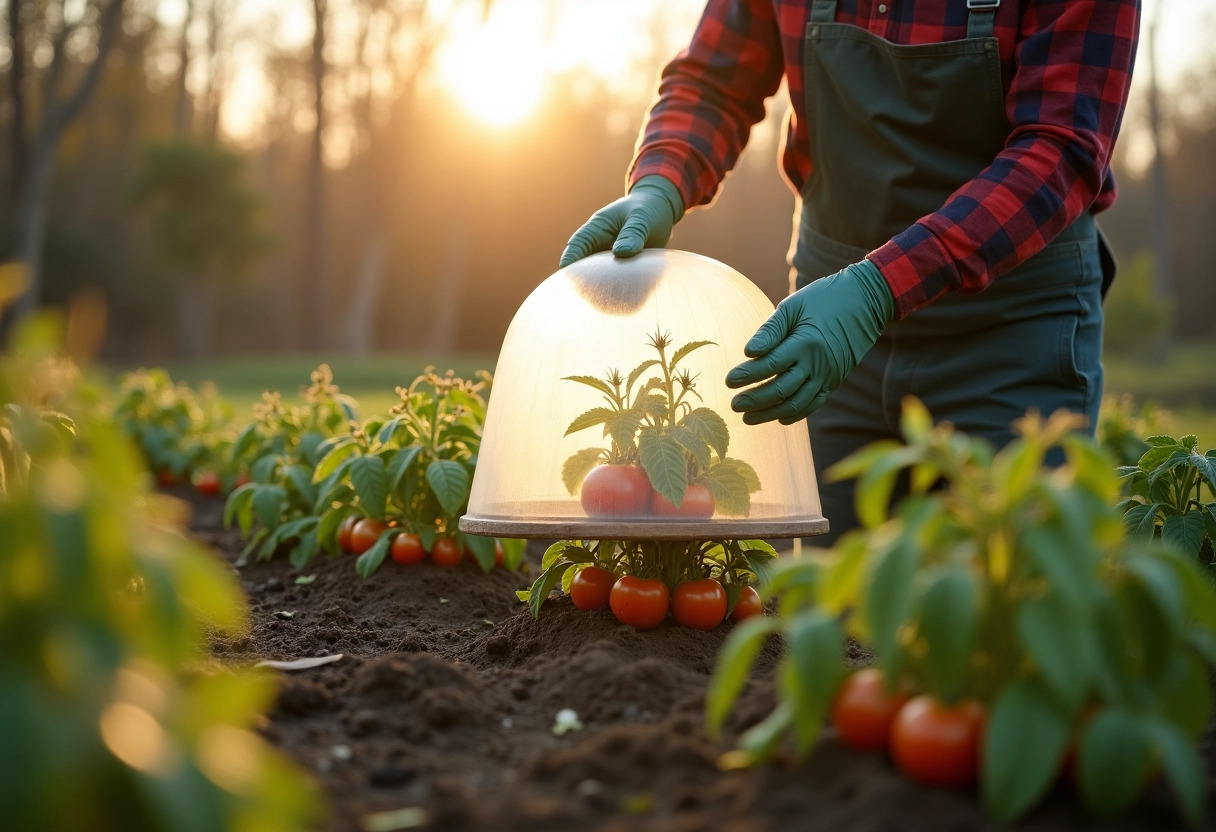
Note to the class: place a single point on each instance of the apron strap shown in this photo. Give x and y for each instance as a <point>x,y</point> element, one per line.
<point>823,11</point>
<point>981,17</point>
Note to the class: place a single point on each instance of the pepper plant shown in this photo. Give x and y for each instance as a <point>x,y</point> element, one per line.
<point>657,426</point>
<point>1007,583</point>
<point>1173,496</point>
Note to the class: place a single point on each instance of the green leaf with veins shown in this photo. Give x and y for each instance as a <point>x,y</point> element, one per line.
<point>594,416</point>
<point>711,427</point>
<point>576,468</point>
<point>683,352</point>
<point>662,458</point>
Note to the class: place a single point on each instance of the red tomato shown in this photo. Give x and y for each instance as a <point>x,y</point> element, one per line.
<point>590,587</point>
<point>166,478</point>
<point>697,504</point>
<point>345,530</point>
<point>242,478</point>
<point>364,534</point>
<point>864,710</point>
<point>700,605</point>
<point>447,552</point>
<point>407,548</point>
<point>208,483</point>
<point>639,602</point>
<point>616,491</point>
<point>748,605</point>
<point>936,745</point>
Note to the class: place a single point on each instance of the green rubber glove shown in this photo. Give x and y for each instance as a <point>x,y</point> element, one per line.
<point>642,218</point>
<point>813,340</point>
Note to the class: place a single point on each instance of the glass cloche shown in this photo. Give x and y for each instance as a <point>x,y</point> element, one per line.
<point>610,416</point>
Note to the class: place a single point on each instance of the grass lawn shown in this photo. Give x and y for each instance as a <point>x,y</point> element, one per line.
<point>1185,382</point>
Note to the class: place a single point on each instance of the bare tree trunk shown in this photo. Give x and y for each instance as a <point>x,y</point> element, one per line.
<point>183,111</point>
<point>214,96</point>
<point>55,116</point>
<point>16,83</point>
<point>313,273</point>
<point>1162,253</point>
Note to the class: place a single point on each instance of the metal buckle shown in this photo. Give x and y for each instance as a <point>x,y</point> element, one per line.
<point>983,5</point>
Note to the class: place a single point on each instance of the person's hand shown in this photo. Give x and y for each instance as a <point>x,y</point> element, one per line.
<point>643,218</point>
<point>813,340</point>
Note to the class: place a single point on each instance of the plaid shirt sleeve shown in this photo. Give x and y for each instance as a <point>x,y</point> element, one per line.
<point>710,95</point>
<point>1072,69</point>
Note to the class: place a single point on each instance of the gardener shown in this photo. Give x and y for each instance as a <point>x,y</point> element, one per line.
<point>950,156</point>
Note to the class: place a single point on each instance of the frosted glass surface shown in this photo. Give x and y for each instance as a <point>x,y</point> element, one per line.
<point>597,314</point>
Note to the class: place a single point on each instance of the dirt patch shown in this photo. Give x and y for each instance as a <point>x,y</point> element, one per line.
<point>447,697</point>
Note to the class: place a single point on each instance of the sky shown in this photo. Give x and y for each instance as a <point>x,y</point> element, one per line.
<point>606,38</point>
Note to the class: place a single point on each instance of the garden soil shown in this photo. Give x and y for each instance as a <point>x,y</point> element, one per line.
<point>446,697</point>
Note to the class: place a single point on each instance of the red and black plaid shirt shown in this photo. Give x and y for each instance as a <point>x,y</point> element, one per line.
<point>1066,65</point>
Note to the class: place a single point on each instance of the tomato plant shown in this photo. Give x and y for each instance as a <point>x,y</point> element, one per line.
<point>1007,582</point>
<point>407,549</point>
<point>748,606</point>
<point>863,710</point>
<point>1173,496</point>
<point>345,528</point>
<point>938,745</point>
<point>639,602</point>
<point>446,552</point>
<point>106,609</point>
<point>681,449</point>
<point>699,604</point>
<point>590,587</point>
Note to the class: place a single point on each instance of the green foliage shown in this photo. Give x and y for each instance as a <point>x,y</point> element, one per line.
<point>105,606</point>
<point>281,448</point>
<point>1011,583</point>
<point>1122,427</point>
<point>658,427</point>
<point>733,563</point>
<point>1172,490</point>
<point>205,215</point>
<point>1135,315</point>
<point>178,429</point>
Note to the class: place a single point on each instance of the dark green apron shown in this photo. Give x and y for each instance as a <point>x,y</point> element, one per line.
<point>894,131</point>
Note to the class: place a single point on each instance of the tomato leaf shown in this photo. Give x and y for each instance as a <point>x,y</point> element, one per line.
<point>330,462</point>
<point>238,500</point>
<point>948,621</point>
<point>306,549</point>
<point>449,480</point>
<point>663,459</point>
<point>327,528</point>
<point>889,597</point>
<point>578,465</point>
<point>370,561</point>
<point>1183,766</point>
<point>482,549</point>
<point>512,552</point>
<point>245,440</point>
<point>1056,640</point>
<point>683,352</point>
<point>733,667</point>
<point>544,585</point>
<point>711,427</point>
<point>399,464</point>
<point>811,672</point>
<point>370,481</point>
<point>594,416</point>
<point>692,443</point>
<point>1115,760</point>
<point>622,426</point>
<point>1186,531</point>
<point>1024,741</point>
<point>637,371</point>
<point>726,483</point>
<point>268,504</point>
<point>592,381</point>
<point>300,478</point>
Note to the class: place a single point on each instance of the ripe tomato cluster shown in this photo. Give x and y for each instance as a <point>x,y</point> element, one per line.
<point>625,491</point>
<point>358,534</point>
<point>933,743</point>
<point>645,602</point>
